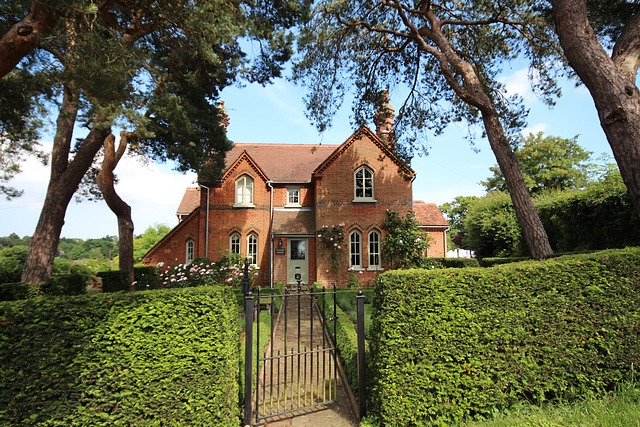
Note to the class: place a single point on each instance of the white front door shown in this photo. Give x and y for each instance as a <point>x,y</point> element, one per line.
<point>297,260</point>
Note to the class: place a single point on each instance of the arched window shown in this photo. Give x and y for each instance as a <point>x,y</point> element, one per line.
<point>252,248</point>
<point>363,185</point>
<point>190,255</point>
<point>244,191</point>
<point>234,243</point>
<point>355,249</point>
<point>374,250</point>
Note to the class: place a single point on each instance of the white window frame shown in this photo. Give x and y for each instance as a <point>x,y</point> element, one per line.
<point>252,248</point>
<point>235,241</point>
<point>363,197</point>
<point>375,260</point>
<point>290,192</point>
<point>190,251</point>
<point>355,250</point>
<point>244,191</point>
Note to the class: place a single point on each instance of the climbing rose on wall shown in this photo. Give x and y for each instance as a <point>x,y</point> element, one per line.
<point>332,237</point>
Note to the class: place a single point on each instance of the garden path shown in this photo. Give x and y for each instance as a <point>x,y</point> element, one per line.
<point>335,414</point>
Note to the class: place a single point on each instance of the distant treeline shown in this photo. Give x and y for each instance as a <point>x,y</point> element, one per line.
<point>100,249</point>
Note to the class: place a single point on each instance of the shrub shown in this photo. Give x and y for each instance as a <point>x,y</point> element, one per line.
<point>450,344</point>
<point>147,277</point>
<point>65,284</point>
<point>166,357</point>
<point>13,291</point>
<point>12,263</point>
<point>114,281</point>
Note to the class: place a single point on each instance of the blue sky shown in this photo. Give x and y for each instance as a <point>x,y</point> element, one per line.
<point>275,114</point>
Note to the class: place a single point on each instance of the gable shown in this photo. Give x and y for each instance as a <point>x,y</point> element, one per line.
<point>364,133</point>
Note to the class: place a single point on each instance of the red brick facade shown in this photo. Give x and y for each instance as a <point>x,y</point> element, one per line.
<point>278,196</point>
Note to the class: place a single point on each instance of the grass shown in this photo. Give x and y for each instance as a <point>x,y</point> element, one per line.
<point>617,409</point>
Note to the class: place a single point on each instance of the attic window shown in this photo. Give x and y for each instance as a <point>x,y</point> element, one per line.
<point>244,191</point>
<point>293,197</point>
<point>363,185</point>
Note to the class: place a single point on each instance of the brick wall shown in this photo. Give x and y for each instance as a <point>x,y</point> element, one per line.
<point>335,203</point>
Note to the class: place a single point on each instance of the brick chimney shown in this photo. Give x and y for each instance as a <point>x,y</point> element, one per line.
<point>384,121</point>
<point>224,116</point>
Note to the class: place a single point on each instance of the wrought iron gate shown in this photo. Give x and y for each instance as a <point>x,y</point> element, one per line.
<point>298,368</point>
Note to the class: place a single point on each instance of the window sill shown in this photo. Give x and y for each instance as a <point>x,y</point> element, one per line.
<point>365,201</point>
<point>375,269</point>
<point>356,269</point>
<point>243,206</point>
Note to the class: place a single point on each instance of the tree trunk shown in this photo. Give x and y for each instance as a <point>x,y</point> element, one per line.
<point>528,218</point>
<point>22,38</point>
<point>611,82</point>
<point>64,180</point>
<point>116,204</point>
<point>471,91</point>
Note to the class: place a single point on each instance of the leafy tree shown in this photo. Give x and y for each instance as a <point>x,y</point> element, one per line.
<point>586,29</point>
<point>144,242</point>
<point>151,68</point>
<point>456,211</point>
<point>447,55</point>
<point>11,263</point>
<point>491,227</point>
<point>548,163</point>
<point>405,244</point>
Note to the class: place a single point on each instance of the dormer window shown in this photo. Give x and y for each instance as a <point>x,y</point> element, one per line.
<point>244,191</point>
<point>363,185</point>
<point>293,197</point>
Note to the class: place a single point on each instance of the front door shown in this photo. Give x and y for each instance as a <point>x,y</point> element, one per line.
<point>298,260</point>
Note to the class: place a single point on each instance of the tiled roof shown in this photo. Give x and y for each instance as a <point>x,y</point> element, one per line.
<point>428,214</point>
<point>190,201</point>
<point>284,162</point>
<point>294,221</point>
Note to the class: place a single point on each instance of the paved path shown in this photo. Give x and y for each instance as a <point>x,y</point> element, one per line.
<point>300,374</point>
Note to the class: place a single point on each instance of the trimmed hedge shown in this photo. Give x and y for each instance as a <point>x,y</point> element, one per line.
<point>57,285</point>
<point>453,344</point>
<point>345,338</point>
<point>65,284</point>
<point>449,262</point>
<point>167,357</point>
<point>114,281</point>
<point>13,291</point>
<point>147,278</point>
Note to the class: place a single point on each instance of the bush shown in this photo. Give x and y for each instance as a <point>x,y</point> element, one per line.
<point>345,337</point>
<point>451,344</point>
<point>147,278</point>
<point>13,291</point>
<point>167,357</point>
<point>12,263</point>
<point>114,281</point>
<point>65,284</point>
<point>449,263</point>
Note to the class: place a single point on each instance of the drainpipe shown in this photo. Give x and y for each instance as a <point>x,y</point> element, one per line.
<point>270,184</point>
<point>206,227</point>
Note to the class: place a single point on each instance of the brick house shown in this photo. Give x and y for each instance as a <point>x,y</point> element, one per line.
<point>273,198</point>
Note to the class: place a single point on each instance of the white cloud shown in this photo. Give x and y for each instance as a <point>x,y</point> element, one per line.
<point>538,127</point>
<point>517,84</point>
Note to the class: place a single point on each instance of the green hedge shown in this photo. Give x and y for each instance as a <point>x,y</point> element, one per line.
<point>452,344</point>
<point>147,278</point>
<point>57,285</point>
<point>65,284</point>
<point>345,338</point>
<point>437,262</point>
<point>167,357</point>
<point>13,291</point>
<point>114,281</point>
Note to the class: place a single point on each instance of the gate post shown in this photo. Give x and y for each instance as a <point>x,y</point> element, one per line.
<point>248,346</point>
<point>362,369</point>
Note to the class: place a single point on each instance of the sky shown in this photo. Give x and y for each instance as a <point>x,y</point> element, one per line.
<point>276,114</point>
